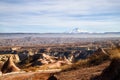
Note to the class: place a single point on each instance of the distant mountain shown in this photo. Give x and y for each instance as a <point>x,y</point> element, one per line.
<point>78,30</point>
<point>112,33</point>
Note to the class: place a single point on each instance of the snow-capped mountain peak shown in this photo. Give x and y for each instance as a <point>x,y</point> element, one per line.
<point>77,30</point>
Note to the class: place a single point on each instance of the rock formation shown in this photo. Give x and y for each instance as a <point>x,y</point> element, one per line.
<point>52,77</point>
<point>100,51</point>
<point>42,59</point>
<point>4,57</point>
<point>67,61</point>
<point>112,72</point>
<point>9,66</point>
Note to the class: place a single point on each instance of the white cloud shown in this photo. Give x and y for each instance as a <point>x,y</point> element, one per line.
<point>61,13</point>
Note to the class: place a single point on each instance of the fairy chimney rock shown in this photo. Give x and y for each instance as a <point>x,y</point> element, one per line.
<point>9,66</point>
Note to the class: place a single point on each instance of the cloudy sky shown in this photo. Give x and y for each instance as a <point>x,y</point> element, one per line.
<point>43,16</point>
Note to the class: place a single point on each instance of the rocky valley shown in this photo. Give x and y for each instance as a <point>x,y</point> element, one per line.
<point>34,57</point>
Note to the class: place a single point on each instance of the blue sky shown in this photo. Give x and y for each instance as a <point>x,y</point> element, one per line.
<point>43,16</point>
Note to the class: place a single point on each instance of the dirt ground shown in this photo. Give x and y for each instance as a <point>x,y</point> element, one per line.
<point>82,73</point>
<point>79,74</point>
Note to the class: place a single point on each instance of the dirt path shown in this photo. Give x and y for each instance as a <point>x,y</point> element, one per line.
<point>39,75</point>
<point>28,76</point>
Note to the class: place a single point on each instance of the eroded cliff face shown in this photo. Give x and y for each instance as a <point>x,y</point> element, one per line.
<point>48,54</point>
<point>52,56</point>
<point>9,66</point>
<point>67,51</point>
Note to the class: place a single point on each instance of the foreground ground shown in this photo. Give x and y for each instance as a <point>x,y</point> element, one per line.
<point>79,74</point>
<point>83,73</point>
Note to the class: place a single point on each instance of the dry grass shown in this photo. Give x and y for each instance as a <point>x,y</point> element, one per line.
<point>33,69</point>
<point>98,59</point>
<point>114,53</point>
<point>82,73</point>
<point>74,66</point>
<point>91,61</point>
<point>85,63</point>
<point>109,72</point>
